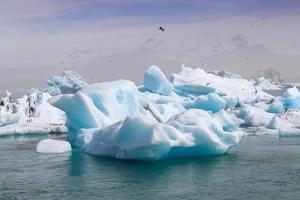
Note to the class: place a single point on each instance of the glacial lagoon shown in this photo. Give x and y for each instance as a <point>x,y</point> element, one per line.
<point>259,167</point>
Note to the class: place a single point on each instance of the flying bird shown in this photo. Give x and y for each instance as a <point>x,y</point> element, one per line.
<point>161,29</point>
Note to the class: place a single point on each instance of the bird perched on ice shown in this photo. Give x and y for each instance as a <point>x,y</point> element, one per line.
<point>161,29</point>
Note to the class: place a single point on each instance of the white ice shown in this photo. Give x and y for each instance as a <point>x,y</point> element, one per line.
<point>53,146</point>
<point>266,84</point>
<point>31,114</point>
<point>69,83</point>
<point>255,116</point>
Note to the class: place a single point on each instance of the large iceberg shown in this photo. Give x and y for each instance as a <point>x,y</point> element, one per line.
<point>116,119</point>
<point>194,114</point>
<point>191,133</point>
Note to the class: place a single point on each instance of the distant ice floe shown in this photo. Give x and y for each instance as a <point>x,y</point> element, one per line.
<point>31,114</point>
<point>69,82</point>
<point>266,84</point>
<point>195,113</point>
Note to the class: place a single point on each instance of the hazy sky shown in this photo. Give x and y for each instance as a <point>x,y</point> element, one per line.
<point>109,39</point>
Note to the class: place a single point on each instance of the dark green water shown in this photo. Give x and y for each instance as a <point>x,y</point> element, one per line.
<point>258,168</point>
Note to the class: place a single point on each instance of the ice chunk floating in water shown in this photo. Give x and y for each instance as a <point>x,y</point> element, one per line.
<point>291,98</point>
<point>53,146</point>
<point>192,133</point>
<point>111,119</point>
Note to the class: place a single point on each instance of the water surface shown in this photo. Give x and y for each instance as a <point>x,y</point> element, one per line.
<point>258,168</point>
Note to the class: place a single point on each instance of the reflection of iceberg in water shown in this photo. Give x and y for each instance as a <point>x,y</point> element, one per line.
<point>144,178</point>
<point>77,163</point>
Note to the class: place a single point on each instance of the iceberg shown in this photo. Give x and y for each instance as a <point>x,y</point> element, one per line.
<point>275,107</point>
<point>53,146</point>
<point>80,110</point>
<point>266,84</point>
<point>69,83</point>
<point>155,81</point>
<point>11,118</point>
<point>291,98</point>
<point>195,82</point>
<point>287,123</point>
<point>192,133</point>
<point>98,105</point>
<point>10,112</point>
<point>115,119</point>
<point>31,114</point>
<point>228,122</point>
<point>32,128</point>
<point>255,116</point>
<point>194,114</point>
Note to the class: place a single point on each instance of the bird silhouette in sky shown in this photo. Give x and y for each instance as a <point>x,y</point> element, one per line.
<point>161,29</point>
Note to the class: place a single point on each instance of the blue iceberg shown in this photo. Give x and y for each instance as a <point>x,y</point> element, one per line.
<point>155,81</point>
<point>194,114</point>
<point>291,98</point>
<point>115,119</point>
<point>191,133</point>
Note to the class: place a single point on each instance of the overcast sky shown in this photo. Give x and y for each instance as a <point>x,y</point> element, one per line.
<point>110,39</point>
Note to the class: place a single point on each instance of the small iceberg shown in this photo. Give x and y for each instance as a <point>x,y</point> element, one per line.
<point>53,146</point>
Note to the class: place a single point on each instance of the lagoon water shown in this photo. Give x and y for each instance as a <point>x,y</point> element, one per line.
<point>260,167</point>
